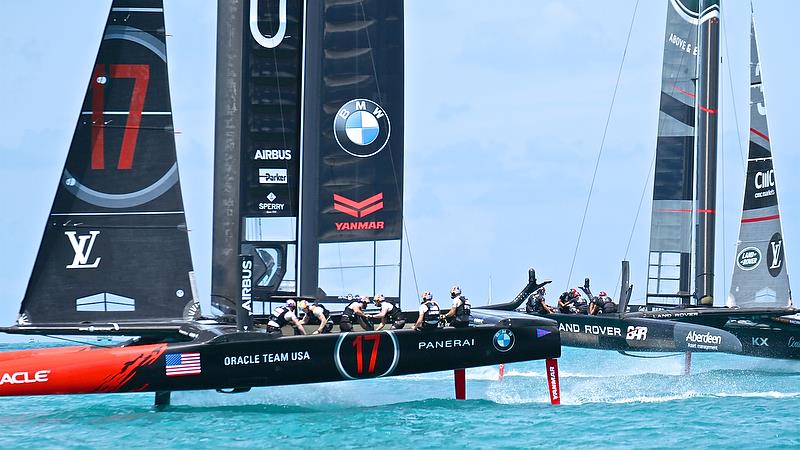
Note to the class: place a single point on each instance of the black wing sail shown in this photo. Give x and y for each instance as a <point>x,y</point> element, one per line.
<point>257,162</point>
<point>360,108</point>
<point>671,224</point>
<point>115,246</point>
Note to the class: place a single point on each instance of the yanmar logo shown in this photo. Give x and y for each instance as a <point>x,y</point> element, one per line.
<point>24,377</point>
<point>358,209</point>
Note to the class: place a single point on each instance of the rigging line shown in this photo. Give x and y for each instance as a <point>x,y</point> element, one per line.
<point>636,220</point>
<point>391,157</point>
<point>733,94</point>
<point>602,143</point>
<point>284,129</point>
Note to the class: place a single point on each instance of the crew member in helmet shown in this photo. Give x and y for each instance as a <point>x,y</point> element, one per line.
<point>285,315</point>
<point>568,302</point>
<point>460,310</point>
<point>428,313</point>
<point>596,305</point>
<point>536,303</point>
<point>607,304</point>
<point>316,313</point>
<point>354,312</point>
<point>389,313</point>
<point>581,305</point>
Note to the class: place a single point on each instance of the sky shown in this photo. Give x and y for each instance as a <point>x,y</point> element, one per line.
<point>505,112</point>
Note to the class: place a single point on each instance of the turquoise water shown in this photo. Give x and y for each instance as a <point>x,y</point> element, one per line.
<point>609,401</point>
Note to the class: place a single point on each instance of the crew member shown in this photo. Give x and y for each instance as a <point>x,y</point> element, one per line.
<point>460,310</point>
<point>283,315</point>
<point>354,312</point>
<point>596,305</point>
<point>388,313</point>
<point>316,313</point>
<point>569,302</point>
<point>608,305</point>
<point>580,304</point>
<point>428,313</point>
<point>536,303</point>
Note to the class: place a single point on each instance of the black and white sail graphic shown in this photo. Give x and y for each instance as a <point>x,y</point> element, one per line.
<point>759,272</point>
<point>361,148</point>
<point>257,173</point>
<point>669,261</point>
<point>115,246</point>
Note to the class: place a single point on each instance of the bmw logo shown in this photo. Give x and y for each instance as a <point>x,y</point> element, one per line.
<point>503,340</point>
<point>361,128</point>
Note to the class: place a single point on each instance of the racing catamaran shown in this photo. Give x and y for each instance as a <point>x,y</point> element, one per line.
<point>307,164</point>
<point>759,304</point>
<point>759,307</point>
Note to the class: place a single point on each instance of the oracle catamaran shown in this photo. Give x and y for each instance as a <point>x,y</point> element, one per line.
<point>308,164</point>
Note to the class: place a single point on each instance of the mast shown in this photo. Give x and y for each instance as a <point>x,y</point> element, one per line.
<point>257,154</point>
<point>225,290</point>
<point>706,162</point>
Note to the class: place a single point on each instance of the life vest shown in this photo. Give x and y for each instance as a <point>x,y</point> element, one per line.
<point>431,317</point>
<point>394,314</point>
<point>609,306</point>
<point>350,312</point>
<point>279,316</point>
<point>463,310</point>
<point>325,311</point>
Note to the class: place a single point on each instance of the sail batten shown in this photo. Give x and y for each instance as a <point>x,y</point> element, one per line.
<point>759,275</point>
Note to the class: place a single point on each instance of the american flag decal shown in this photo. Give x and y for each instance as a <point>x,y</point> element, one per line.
<point>179,364</point>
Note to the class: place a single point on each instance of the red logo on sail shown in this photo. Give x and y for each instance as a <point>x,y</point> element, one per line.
<point>358,210</point>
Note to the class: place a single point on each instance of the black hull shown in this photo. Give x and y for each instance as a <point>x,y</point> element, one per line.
<point>762,332</point>
<point>612,332</point>
<point>236,360</point>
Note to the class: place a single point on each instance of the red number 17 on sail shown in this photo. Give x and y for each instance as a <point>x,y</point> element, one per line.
<point>141,76</point>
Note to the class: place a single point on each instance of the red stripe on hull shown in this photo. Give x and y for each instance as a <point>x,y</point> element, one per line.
<point>73,370</point>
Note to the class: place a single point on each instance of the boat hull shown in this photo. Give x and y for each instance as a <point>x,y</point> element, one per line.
<point>248,359</point>
<point>612,332</point>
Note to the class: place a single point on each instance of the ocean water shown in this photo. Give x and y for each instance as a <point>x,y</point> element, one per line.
<point>609,401</point>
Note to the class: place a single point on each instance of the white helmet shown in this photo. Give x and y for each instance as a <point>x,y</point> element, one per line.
<point>291,304</point>
<point>455,291</point>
